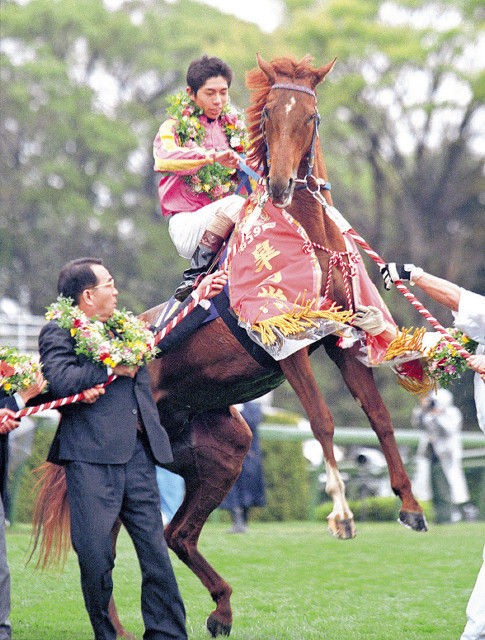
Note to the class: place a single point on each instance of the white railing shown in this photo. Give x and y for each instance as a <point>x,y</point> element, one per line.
<point>21,332</point>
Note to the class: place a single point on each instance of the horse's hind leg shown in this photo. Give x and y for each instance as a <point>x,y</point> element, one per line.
<point>360,381</point>
<point>219,443</point>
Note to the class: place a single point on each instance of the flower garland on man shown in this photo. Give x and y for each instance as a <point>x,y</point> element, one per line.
<point>122,339</point>
<point>197,152</point>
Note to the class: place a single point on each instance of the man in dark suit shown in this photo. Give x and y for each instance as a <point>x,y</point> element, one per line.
<point>109,448</point>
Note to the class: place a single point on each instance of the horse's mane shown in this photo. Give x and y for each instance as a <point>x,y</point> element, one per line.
<point>259,86</point>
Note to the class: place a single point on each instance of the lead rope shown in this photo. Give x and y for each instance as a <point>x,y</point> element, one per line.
<point>345,227</point>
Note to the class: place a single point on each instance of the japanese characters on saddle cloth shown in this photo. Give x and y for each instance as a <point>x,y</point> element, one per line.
<point>275,282</point>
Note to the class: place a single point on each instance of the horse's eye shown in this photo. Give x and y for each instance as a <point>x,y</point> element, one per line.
<point>314,118</point>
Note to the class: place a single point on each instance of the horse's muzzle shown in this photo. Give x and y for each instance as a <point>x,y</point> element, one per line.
<point>281,194</point>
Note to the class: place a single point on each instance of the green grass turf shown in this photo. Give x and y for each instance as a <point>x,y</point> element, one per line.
<point>291,581</point>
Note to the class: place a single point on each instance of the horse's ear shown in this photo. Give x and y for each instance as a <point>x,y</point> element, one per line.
<point>321,72</point>
<point>266,68</point>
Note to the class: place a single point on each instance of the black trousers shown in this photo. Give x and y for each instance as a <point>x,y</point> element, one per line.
<point>99,494</point>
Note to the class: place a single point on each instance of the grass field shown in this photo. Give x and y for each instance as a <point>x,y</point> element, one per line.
<point>291,581</point>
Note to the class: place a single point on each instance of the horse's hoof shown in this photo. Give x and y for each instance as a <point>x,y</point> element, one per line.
<point>414,520</point>
<point>216,627</point>
<point>342,528</point>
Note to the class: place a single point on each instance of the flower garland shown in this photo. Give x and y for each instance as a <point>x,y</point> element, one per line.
<point>123,339</point>
<point>443,363</point>
<point>17,370</point>
<point>213,180</point>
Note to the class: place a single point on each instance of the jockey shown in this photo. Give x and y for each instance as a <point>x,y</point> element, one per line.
<point>197,151</point>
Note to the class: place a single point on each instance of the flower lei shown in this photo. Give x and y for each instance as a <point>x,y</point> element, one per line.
<point>443,363</point>
<point>213,180</point>
<point>17,370</point>
<point>123,339</point>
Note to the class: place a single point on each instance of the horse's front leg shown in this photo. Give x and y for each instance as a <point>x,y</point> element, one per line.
<point>360,381</point>
<point>299,374</point>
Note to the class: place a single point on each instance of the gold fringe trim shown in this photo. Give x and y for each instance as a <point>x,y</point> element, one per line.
<point>297,321</point>
<point>405,341</point>
<point>417,387</point>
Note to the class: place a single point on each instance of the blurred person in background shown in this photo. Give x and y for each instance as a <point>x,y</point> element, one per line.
<point>249,489</point>
<point>439,458</point>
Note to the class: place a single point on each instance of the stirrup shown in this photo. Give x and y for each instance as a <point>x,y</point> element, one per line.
<point>184,289</point>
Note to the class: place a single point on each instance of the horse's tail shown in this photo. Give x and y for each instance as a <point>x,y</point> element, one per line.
<point>51,530</point>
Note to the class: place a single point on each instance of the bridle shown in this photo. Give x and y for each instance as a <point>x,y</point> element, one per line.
<point>302,182</point>
<point>345,260</point>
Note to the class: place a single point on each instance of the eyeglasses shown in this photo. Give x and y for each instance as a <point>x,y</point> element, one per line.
<point>108,283</point>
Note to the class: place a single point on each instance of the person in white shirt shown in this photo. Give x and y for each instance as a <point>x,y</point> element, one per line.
<point>469,312</point>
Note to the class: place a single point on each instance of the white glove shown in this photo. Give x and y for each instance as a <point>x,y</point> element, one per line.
<point>369,319</point>
<point>392,271</point>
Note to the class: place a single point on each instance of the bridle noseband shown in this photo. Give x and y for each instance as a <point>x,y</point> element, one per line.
<point>316,122</point>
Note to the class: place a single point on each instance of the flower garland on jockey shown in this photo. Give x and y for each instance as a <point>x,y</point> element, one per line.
<point>17,370</point>
<point>123,339</point>
<point>214,180</point>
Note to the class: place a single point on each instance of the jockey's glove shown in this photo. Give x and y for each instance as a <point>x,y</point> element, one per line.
<point>369,319</point>
<point>392,272</point>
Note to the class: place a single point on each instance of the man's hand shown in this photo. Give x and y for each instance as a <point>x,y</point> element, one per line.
<point>91,395</point>
<point>216,281</point>
<point>477,363</point>
<point>35,388</point>
<point>124,370</point>
<point>10,422</point>
<point>392,272</point>
<point>370,320</point>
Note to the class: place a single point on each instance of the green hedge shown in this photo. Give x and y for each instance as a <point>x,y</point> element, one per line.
<point>287,486</point>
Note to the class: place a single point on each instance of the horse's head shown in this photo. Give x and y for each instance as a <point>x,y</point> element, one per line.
<point>283,121</point>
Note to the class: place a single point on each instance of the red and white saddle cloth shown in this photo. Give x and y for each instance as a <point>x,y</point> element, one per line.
<point>275,284</point>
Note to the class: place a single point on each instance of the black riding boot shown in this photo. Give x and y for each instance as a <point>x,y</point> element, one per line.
<point>199,263</point>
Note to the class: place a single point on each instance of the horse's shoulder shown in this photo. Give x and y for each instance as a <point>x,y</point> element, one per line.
<point>150,315</point>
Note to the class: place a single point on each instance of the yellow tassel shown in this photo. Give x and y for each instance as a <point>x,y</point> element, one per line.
<point>417,387</point>
<point>297,321</point>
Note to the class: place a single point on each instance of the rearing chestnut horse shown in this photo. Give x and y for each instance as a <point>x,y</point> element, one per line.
<point>196,384</point>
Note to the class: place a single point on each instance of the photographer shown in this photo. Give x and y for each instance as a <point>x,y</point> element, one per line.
<point>439,458</point>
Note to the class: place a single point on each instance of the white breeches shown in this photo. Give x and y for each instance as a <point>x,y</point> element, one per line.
<point>475,611</point>
<point>187,228</point>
